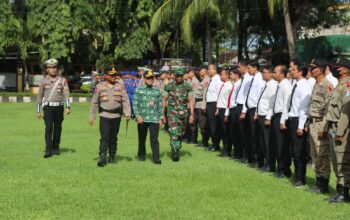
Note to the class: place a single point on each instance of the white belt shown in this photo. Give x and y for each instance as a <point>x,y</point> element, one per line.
<point>53,103</point>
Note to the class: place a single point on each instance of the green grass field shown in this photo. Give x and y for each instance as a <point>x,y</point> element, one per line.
<point>71,186</point>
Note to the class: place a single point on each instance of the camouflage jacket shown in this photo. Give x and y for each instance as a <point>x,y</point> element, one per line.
<point>178,96</point>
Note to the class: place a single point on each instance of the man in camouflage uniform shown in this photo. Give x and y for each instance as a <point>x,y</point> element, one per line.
<point>148,111</point>
<point>338,124</point>
<point>111,100</point>
<point>319,147</point>
<point>177,95</point>
<point>53,93</point>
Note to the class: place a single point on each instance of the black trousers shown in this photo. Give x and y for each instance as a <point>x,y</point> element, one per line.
<point>280,146</point>
<point>53,117</point>
<point>200,119</point>
<point>109,129</point>
<point>298,150</point>
<point>224,132</point>
<point>251,135</point>
<point>213,123</point>
<point>263,150</point>
<point>237,131</point>
<point>142,133</point>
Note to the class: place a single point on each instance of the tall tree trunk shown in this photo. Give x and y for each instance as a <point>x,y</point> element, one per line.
<point>208,43</point>
<point>157,47</point>
<point>170,43</point>
<point>289,29</point>
<point>240,31</point>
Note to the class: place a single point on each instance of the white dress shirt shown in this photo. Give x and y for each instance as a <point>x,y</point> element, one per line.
<point>224,95</point>
<point>242,90</point>
<point>267,99</point>
<point>311,81</point>
<point>256,86</point>
<point>284,90</point>
<point>300,102</point>
<point>332,79</point>
<point>232,103</point>
<point>213,89</point>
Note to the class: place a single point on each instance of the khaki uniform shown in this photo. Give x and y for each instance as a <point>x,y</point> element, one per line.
<point>53,93</point>
<point>110,100</point>
<point>319,147</point>
<point>60,95</point>
<point>337,119</point>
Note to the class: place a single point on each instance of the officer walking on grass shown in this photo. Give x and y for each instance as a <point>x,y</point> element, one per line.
<point>53,94</point>
<point>176,97</point>
<point>111,100</point>
<point>148,110</point>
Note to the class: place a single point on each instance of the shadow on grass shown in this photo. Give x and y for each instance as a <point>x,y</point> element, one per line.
<point>119,158</point>
<point>183,153</point>
<point>67,150</point>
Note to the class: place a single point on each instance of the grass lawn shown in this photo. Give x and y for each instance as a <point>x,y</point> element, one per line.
<point>71,186</point>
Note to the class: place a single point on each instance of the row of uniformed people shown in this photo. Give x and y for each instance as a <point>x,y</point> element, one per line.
<point>267,117</point>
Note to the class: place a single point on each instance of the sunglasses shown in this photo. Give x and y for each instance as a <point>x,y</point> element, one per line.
<point>52,67</point>
<point>149,77</point>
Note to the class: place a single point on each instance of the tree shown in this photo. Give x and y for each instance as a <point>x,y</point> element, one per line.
<point>187,16</point>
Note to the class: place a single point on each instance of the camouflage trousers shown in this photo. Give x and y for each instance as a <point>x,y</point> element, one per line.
<point>177,128</point>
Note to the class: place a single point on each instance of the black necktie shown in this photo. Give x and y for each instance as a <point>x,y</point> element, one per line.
<point>246,101</point>
<point>291,98</point>
<point>239,89</point>
<point>257,106</point>
<point>274,104</point>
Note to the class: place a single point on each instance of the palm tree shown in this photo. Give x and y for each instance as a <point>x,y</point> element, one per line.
<point>273,5</point>
<point>187,15</point>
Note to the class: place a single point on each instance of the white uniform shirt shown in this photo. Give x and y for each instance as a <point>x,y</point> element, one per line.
<point>233,96</point>
<point>332,79</point>
<point>224,95</point>
<point>311,82</point>
<point>284,90</point>
<point>213,89</point>
<point>267,99</point>
<point>242,90</point>
<point>256,87</point>
<point>300,102</point>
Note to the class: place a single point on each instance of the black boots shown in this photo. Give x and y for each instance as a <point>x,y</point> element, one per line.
<point>341,196</point>
<point>111,159</point>
<point>48,154</point>
<point>175,155</point>
<point>321,186</point>
<point>102,161</point>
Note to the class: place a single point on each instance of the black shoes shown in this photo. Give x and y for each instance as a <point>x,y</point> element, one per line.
<point>111,159</point>
<point>299,184</point>
<point>56,152</point>
<point>140,158</point>
<point>175,156</point>
<point>321,186</point>
<point>341,196</point>
<point>102,161</point>
<point>157,162</point>
<point>47,155</point>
